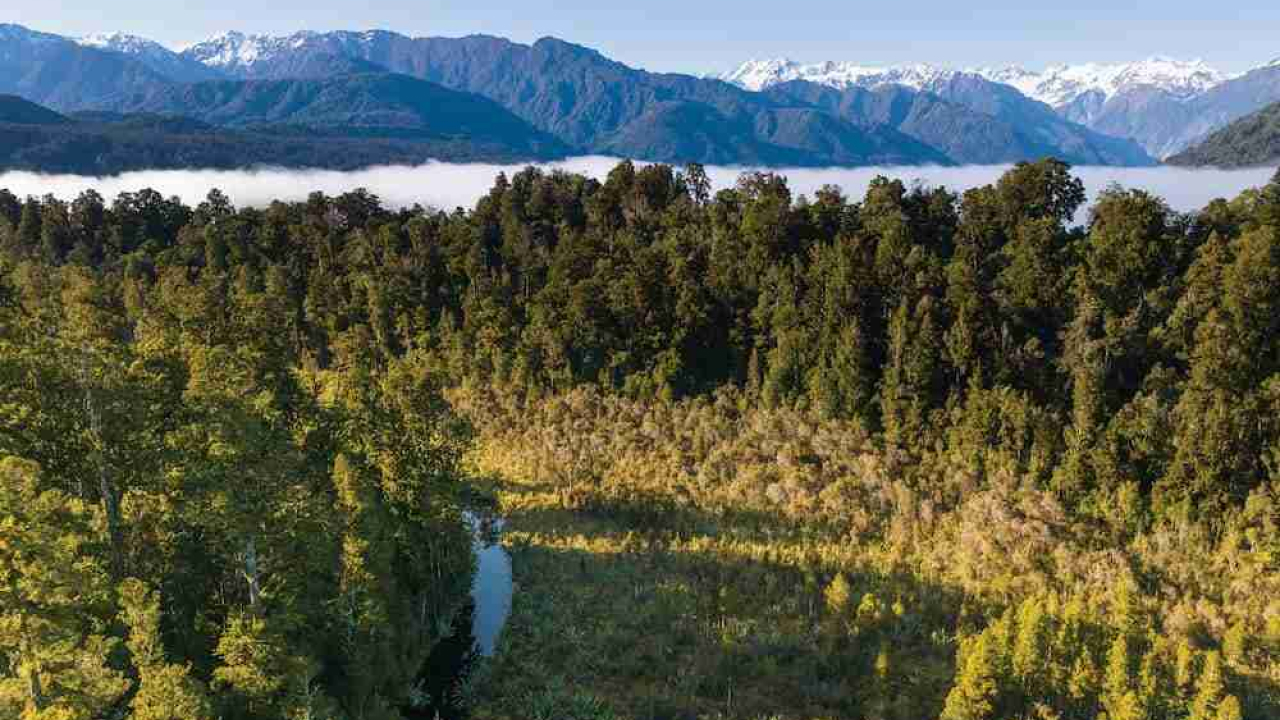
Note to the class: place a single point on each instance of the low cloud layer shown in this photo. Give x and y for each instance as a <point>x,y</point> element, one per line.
<point>448,186</point>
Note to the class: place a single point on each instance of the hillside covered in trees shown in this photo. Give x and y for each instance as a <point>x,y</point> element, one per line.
<point>292,124</point>
<point>1250,141</point>
<point>915,455</point>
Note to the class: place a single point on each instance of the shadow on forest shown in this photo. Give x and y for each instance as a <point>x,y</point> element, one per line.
<point>645,512</point>
<point>443,677</point>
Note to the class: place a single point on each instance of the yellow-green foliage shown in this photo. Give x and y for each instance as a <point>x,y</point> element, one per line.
<point>201,527</point>
<point>54,644</point>
<point>757,562</point>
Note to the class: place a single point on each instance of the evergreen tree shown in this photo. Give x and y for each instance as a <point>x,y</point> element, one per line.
<point>910,385</point>
<point>1210,688</point>
<point>165,691</point>
<point>54,594</point>
<point>28,234</point>
<point>973,695</point>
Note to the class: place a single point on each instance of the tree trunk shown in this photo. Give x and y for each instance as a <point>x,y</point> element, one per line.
<point>35,693</point>
<point>106,488</point>
<point>251,571</point>
<point>35,690</point>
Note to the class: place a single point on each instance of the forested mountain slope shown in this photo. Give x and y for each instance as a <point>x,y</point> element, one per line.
<point>1250,141</point>
<point>103,143</point>
<point>16,111</point>
<point>364,104</point>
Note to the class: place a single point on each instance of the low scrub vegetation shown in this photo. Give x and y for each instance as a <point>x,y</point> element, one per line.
<point>707,558</point>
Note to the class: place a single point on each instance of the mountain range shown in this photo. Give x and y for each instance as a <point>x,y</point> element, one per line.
<point>553,97</point>
<point>1165,105</point>
<point>617,109</point>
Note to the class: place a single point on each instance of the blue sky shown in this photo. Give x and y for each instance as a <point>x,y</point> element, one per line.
<point>709,35</point>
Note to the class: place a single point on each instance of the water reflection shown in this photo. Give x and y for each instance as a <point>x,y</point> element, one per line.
<point>475,632</point>
<point>491,591</point>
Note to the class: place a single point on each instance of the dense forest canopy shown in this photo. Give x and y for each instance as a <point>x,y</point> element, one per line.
<point>231,475</point>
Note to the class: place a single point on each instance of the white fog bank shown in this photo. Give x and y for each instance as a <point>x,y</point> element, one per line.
<point>446,186</point>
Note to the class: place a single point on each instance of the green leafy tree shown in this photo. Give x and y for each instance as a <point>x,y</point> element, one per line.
<point>54,596</point>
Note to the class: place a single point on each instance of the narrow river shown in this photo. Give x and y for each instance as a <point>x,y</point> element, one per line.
<point>476,629</point>
<point>492,589</point>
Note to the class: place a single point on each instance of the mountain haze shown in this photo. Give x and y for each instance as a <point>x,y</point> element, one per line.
<point>590,103</point>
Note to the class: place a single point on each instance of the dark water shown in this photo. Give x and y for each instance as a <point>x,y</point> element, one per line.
<point>475,630</point>
<point>446,671</point>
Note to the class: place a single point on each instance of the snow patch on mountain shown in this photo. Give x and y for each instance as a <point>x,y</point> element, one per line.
<point>161,59</point>
<point>1061,85</point>
<point>759,75</point>
<point>1057,86</point>
<point>244,55</point>
<point>234,50</point>
<point>125,43</point>
<point>230,49</point>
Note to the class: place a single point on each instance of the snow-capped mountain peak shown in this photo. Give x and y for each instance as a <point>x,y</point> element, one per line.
<point>157,57</point>
<point>1190,77</point>
<point>1057,86</point>
<point>246,56</point>
<point>240,53</point>
<point>236,50</point>
<point>759,75</point>
<point>1008,75</point>
<point>125,43</point>
<point>230,49</point>
<point>1061,85</point>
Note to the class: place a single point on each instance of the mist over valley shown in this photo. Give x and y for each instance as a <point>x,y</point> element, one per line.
<point>447,186</point>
